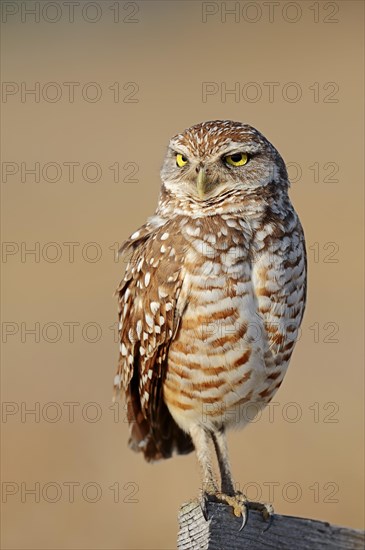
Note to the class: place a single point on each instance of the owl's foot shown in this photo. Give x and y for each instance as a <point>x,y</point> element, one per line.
<point>238,503</point>
<point>240,506</point>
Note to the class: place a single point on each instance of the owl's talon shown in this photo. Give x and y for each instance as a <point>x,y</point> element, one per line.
<point>203,506</point>
<point>209,491</point>
<point>244,519</point>
<point>267,511</point>
<point>270,520</point>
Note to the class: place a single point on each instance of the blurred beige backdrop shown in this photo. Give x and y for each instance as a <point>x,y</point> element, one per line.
<point>112,81</point>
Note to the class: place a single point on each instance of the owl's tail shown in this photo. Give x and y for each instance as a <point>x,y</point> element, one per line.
<point>157,438</point>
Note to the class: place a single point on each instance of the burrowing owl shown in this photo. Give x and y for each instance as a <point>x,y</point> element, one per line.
<point>212,298</point>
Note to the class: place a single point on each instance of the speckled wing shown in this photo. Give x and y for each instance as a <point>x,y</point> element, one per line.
<point>149,318</point>
<point>279,280</point>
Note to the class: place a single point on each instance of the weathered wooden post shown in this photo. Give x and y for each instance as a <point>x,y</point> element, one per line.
<point>221,532</point>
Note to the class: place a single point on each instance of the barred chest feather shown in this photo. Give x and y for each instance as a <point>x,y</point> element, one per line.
<point>237,324</point>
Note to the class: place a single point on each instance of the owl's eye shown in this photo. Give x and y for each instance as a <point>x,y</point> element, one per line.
<point>237,159</point>
<point>181,160</point>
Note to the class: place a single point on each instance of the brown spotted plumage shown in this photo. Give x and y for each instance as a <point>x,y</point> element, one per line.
<point>213,295</point>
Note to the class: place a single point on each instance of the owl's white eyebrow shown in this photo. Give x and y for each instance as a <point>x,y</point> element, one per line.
<point>182,150</point>
<point>237,147</point>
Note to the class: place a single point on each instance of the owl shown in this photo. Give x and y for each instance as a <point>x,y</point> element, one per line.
<point>212,299</point>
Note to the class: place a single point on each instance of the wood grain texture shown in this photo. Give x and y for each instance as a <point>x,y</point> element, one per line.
<point>221,531</point>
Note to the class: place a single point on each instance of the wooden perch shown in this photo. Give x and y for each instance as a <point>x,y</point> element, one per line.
<point>221,532</point>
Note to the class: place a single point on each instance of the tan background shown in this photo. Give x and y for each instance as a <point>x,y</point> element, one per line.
<point>169,52</point>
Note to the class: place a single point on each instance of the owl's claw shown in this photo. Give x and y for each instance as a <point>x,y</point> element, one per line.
<point>203,505</point>
<point>208,493</point>
<point>267,511</point>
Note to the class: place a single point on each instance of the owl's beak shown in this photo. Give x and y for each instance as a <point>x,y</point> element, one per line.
<point>202,183</point>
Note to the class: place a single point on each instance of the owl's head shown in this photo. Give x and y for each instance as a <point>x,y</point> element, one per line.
<point>219,157</point>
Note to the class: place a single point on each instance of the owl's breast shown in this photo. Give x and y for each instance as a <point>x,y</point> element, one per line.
<point>216,358</point>
<point>230,350</point>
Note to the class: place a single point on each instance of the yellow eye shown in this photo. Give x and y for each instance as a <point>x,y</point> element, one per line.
<point>237,159</point>
<point>181,160</point>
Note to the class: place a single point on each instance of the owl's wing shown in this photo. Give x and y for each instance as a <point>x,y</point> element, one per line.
<point>148,320</point>
<point>279,280</point>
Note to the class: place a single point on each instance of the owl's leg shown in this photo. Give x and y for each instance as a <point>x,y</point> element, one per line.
<point>228,494</point>
<point>200,439</point>
<point>220,445</point>
<point>233,498</point>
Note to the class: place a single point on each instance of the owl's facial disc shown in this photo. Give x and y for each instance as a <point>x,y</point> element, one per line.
<point>220,161</point>
<point>203,176</point>
<point>209,176</point>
